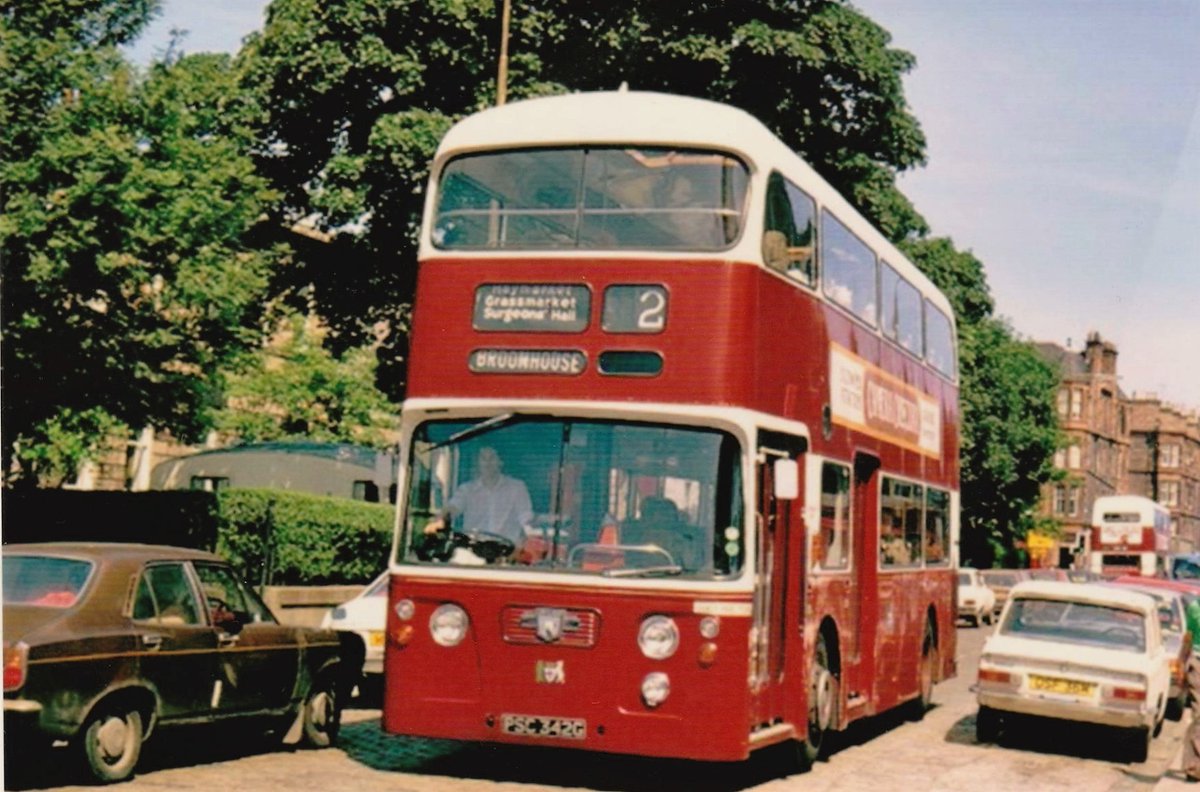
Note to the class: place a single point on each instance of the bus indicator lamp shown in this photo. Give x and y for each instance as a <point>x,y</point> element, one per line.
<point>708,654</point>
<point>658,637</point>
<point>402,635</point>
<point>656,686</point>
<point>448,625</point>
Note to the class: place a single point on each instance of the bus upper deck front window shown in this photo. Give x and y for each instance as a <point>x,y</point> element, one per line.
<point>591,199</point>
<point>586,497</point>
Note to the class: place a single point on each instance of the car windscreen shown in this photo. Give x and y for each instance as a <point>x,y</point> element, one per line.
<point>1007,581</point>
<point>1083,623</point>
<point>964,579</point>
<point>44,580</point>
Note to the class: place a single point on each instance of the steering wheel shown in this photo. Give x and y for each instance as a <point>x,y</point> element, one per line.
<point>488,546</point>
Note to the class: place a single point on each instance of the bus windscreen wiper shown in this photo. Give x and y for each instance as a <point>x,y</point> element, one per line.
<point>495,422</point>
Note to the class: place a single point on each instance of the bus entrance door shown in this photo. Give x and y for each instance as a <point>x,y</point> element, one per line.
<point>777,606</point>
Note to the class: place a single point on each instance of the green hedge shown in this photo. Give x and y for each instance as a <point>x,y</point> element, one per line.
<point>290,538</point>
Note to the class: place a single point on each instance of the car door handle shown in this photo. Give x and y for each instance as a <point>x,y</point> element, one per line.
<point>225,639</point>
<point>151,641</point>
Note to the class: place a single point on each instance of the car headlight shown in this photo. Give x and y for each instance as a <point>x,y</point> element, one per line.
<point>338,614</point>
<point>658,637</point>
<point>448,625</point>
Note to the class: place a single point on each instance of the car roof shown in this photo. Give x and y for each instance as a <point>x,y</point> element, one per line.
<point>109,551</point>
<point>1085,592</point>
<point>1184,586</point>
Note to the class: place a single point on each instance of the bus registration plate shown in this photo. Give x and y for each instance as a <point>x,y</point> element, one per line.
<point>1068,687</point>
<point>539,726</point>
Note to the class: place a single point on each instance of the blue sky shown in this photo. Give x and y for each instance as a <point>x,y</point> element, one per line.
<point>1063,147</point>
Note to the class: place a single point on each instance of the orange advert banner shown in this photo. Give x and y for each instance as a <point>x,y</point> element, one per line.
<point>866,398</point>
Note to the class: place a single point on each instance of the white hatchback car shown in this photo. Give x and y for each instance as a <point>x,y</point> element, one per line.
<point>976,602</point>
<point>366,616</point>
<point>1076,651</point>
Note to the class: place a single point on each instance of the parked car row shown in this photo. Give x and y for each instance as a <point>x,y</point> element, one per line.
<point>1112,653</point>
<point>106,643</point>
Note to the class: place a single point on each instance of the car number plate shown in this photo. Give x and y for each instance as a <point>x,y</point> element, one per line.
<point>375,638</point>
<point>539,726</point>
<point>1066,686</point>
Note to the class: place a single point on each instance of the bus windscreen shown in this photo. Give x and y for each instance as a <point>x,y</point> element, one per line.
<point>590,199</point>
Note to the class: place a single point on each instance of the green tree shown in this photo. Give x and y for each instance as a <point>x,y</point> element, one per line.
<point>294,387</point>
<point>353,96</point>
<point>126,202</point>
<point>1006,398</point>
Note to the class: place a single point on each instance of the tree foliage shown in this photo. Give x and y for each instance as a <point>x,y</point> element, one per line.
<point>294,387</point>
<point>126,201</point>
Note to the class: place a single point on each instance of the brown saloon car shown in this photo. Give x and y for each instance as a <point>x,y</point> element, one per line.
<point>104,643</point>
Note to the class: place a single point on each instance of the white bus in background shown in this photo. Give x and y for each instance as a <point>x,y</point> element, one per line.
<point>1131,535</point>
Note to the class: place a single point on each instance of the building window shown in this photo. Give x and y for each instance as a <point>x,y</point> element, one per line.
<point>1066,501</point>
<point>1073,457</point>
<point>210,483</point>
<point>1168,493</point>
<point>1168,456</point>
<point>1077,402</point>
<point>1060,458</point>
<point>1064,399</point>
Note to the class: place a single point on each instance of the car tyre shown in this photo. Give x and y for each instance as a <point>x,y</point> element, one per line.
<point>1139,744</point>
<point>987,725</point>
<point>111,742</point>
<point>322,713</point>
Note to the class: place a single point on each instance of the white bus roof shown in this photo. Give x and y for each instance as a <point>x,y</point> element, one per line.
<point>658,119</point>
<point>1138,503</point>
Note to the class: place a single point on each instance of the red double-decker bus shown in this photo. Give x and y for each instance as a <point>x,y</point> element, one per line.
<point>679,454</point>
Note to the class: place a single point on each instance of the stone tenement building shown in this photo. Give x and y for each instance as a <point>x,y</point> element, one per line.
<point>1094,417</point>
<point>1116,444</point>
<point>1164,463</point>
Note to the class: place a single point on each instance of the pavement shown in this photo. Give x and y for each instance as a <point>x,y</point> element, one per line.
<point>1174,779</point>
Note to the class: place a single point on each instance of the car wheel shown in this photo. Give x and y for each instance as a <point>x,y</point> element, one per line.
<point>987,725</point>
<point>1140,741</point>
<point>111,742</point>
<point>322,713</point>
<point>822,699</point>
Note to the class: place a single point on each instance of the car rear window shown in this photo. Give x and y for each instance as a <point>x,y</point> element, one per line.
<point>1081,623</point>
<point>44,580</point>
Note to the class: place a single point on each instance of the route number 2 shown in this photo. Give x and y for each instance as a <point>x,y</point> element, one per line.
<point>635,309</point>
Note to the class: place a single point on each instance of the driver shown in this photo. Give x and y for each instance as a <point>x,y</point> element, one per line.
<point>492,502</point>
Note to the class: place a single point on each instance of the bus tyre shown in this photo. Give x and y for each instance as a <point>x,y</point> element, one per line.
<point>322,713</point>
<point>926,667</point>
<point>111,742</point>
<point>822,698</point>
<point>987,725</point>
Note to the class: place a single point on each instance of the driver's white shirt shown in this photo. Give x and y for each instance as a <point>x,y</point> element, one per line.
<point>503,508</point>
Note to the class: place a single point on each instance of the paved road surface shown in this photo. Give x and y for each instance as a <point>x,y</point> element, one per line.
<point>939,753</point>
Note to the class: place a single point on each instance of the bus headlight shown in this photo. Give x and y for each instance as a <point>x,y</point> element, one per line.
<point>655,688</point>
<point>658,637</point>
<point>448,625</point>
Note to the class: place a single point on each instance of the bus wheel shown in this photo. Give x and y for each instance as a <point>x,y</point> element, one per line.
<point>822,697</point>
<point>926,667</point>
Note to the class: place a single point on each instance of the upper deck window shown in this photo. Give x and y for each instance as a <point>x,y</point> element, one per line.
<point>591,199</point>
<point>939,340</point>
<point>849,269</point>
<point>900,312</point>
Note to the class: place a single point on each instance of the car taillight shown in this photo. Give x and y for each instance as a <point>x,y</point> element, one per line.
<point>993,677</point>
<point>15,661</point>
<point>1125,693</point>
